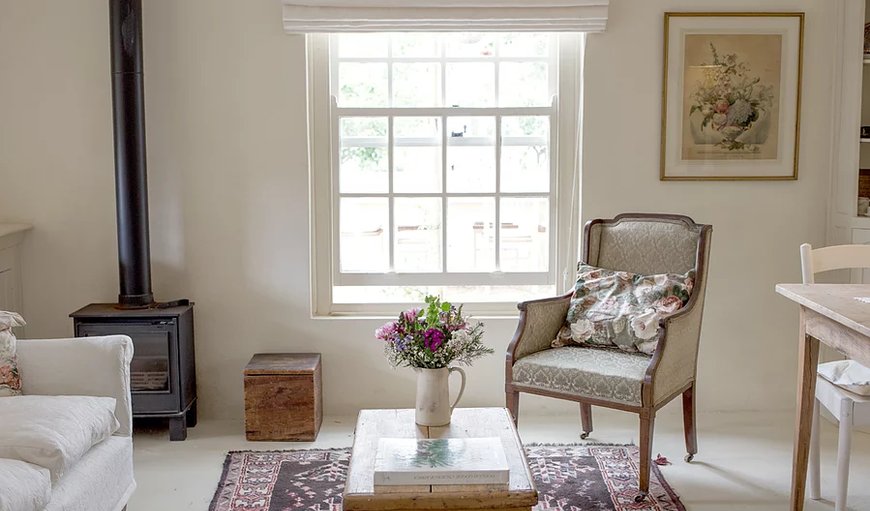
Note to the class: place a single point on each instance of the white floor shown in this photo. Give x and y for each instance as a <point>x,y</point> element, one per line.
<point>744,461</point>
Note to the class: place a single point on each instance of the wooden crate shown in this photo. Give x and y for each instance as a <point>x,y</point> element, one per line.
<point>283,398</point>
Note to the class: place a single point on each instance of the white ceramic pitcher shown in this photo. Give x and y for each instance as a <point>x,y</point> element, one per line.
<point>433,395</point>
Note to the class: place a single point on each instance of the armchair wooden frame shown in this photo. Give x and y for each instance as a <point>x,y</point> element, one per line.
<point>650,401</point>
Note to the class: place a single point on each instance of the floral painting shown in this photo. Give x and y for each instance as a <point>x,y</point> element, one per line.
<point>731,104</point>
<point>731,93</point>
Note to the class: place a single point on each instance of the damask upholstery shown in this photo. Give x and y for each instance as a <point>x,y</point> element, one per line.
<point>599,373</point>
<point>644,247</point>
<point>544,318</point>
<point>679,357</point>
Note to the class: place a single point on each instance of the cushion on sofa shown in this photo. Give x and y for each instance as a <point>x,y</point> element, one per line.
<point>23,486</point>
<point>54,431</point>
<point>618,308</point>
<point>10,380</point>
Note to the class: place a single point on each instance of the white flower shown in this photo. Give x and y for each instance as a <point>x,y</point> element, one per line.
<point>581,330</point>
<point>646,325</point>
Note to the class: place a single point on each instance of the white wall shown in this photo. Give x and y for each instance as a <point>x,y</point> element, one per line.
<point>228,177</point>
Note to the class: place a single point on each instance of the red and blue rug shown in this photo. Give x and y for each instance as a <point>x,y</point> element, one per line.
<point>568,478</point>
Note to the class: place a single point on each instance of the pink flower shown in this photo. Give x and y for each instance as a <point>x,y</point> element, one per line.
<point>410,315</point>
<point>386,332</point>
<point>668,304</point>
<point>722,106</point>
<point>7,377</point>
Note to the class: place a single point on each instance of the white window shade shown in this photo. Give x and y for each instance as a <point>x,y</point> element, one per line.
<point>318,16</point>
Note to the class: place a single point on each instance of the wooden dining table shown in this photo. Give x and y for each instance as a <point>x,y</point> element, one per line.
<point>837,315</point>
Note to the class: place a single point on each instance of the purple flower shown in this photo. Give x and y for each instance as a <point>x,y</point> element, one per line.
<point>433,338</point>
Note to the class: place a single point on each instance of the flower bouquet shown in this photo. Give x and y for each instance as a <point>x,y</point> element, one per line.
<point>432,337</point>
<point>429,339</point>
<point>732,101</point>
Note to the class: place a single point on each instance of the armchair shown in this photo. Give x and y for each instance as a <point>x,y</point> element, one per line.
<point>633,382</point>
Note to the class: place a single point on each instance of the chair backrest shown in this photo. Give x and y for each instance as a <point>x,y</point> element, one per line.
<point>646,243</point>
<point>837,257</point>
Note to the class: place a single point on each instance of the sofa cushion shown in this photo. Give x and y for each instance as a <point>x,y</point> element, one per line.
<point>25,487</point>
<point>600,373</point>
<point>54,431</point>
<point>622,309</point>
<point>10,380</point>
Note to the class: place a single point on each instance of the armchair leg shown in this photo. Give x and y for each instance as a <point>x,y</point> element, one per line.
<point>647,423</point>
<point>586,420</point>
<point>512,402</point>
<point>689,423</point>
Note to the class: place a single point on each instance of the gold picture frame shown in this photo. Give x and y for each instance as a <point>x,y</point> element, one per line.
<point>731,96</point>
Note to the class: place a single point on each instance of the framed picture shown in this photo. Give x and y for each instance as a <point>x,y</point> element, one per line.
<point>731,96</point>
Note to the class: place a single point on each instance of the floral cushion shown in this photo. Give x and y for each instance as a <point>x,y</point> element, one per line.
<point>622,309</point>
<point>10,381</point>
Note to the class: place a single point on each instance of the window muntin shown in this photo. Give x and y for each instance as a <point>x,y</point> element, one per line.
<point>441,138</point>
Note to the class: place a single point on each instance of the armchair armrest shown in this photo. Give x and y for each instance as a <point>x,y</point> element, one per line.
<point>85,366</point>
<point>540,321</point>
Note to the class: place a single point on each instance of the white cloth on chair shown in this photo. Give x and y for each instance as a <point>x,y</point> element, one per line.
<point>848,375</point>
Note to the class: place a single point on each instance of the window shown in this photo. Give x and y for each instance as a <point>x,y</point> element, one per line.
<point>436,168</point>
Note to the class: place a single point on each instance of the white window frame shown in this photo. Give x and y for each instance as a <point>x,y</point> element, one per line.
<point>323,116</point>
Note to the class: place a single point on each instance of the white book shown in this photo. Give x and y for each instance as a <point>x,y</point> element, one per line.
<point>440,461</point>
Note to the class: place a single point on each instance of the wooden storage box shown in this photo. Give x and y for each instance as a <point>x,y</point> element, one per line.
<point>283,399</point>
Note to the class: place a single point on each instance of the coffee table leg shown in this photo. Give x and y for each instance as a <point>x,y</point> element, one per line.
<point>808,360</point>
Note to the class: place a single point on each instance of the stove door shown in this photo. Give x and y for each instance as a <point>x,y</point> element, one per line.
<point>154,368</point>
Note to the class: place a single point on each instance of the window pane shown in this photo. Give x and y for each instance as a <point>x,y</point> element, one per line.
<point>362,84</point>
<point>363,155</point>
<point>415,45</point>
<point>524,84</point>
<point>454,294</point>
<point>471,84</point>
<point>471,234</point>
<point>470,44</point>
<point>470,154</point>
<point>524,44</point>
<point>525,158</point>
<point>362,45</point>
<point>364,224</point>
<point>416,84</point>
<point>418,234</point>
<point>417,155</point>
<point>525,234</point>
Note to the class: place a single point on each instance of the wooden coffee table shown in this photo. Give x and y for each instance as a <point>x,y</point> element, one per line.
<point>360,495</point>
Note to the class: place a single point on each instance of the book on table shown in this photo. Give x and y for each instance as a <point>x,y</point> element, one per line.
<point>440,461</point>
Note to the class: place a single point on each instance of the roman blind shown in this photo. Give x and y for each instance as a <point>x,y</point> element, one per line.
<point>315,16</point>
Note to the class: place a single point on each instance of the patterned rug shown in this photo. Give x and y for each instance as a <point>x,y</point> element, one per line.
<point>568,478</point>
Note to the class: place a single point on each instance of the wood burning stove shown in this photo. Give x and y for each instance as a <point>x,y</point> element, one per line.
<point>163,369</point>
<point>163,376</point>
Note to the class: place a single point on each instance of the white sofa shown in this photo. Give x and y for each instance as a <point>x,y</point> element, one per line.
<point>102,478</point>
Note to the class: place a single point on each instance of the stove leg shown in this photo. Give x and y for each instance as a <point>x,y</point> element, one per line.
<point>177,429</point>
<point>190,417</point>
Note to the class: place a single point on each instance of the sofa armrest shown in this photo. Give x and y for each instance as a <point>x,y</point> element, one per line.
<point>85,366</point>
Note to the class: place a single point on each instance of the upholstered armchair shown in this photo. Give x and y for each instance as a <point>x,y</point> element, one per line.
<point>634,382</point>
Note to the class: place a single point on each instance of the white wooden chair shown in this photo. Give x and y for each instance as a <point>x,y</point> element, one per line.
<point>850,409</point>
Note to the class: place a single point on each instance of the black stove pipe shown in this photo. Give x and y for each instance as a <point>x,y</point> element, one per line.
<point>131,180</point>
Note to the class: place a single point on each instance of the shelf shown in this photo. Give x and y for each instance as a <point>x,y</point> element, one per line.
<point>865,140</point>
<point>866,61</point>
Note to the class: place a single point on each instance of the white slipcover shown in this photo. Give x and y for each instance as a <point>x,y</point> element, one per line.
<point>23,486</point>
<point>54,432</point>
